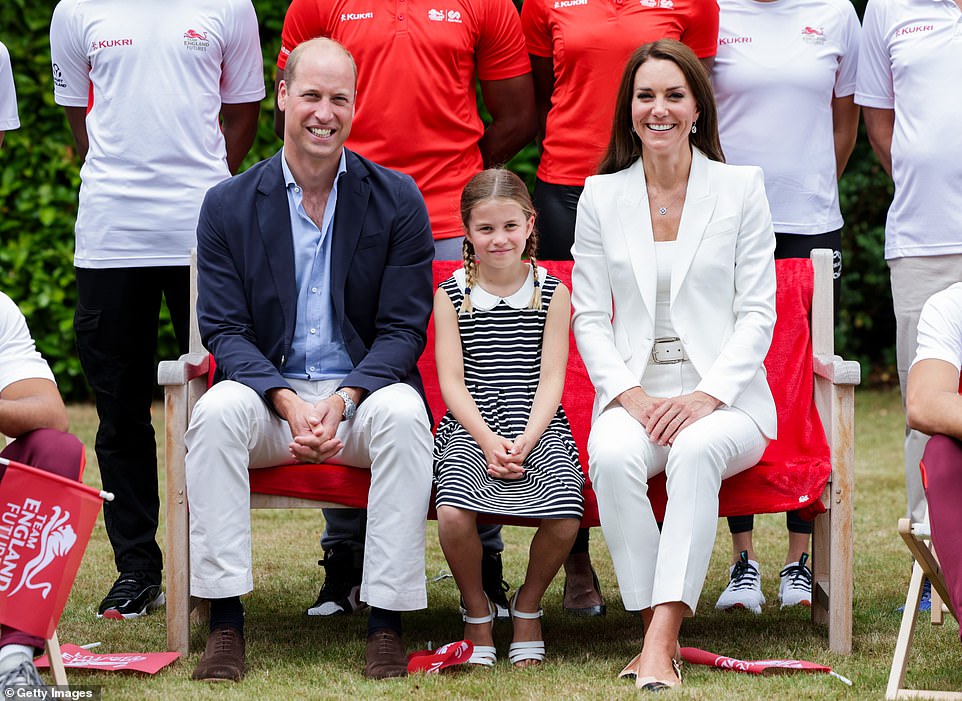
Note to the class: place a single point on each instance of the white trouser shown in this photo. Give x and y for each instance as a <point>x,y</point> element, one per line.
<point>232,429</point>
<point>655,568</point>
<point>914,280</point>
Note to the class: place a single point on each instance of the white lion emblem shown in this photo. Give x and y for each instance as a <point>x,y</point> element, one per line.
<point>56,540</point>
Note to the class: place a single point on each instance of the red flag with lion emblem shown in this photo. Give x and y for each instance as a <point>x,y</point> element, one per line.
<point>45,523</point>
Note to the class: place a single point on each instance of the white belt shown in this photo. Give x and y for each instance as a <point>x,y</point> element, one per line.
<point>668,351</point>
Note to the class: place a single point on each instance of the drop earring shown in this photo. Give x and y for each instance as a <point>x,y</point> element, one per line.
<point>693,128</point>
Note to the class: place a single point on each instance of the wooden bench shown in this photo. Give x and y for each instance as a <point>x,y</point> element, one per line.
<point>789,477</point>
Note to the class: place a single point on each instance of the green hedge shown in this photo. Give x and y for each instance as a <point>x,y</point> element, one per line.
<point>38,203</point>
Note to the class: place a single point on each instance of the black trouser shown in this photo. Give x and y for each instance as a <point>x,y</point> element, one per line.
<point>116,325</point>
<point>557,208</point>
<point>799,246</point>
<point>802,245</point>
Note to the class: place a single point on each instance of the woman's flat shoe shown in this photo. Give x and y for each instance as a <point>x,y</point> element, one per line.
<point>654,685</point>
<point>631,669</point>
<point>529,650</point>
<point>482,655</point>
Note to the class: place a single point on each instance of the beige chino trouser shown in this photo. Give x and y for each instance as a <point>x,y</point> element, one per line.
<point>232,430</point>
<point>914,280</point>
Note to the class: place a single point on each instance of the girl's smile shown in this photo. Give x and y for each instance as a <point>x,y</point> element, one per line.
<point>499,231</point>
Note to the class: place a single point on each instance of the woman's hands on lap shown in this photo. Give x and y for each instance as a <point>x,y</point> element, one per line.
<point>677,413</point>
<point>664,417</point>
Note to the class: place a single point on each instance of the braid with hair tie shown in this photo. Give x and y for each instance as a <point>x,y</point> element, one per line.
<point>470,277</point>
<point>531,250</point>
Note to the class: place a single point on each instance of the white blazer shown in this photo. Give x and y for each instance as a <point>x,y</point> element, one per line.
<point>722,284</point>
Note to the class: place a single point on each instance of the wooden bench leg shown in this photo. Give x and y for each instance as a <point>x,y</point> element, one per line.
<point>178,537</point>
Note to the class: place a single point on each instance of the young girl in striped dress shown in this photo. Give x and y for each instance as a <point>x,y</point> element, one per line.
<point>504,447</point>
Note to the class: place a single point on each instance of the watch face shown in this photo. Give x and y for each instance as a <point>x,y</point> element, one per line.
<point>350,408</point>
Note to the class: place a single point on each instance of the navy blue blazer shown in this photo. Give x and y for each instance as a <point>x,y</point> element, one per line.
<point>382,286</point>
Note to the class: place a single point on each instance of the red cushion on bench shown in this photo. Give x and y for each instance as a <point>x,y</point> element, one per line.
<point>793,471</point>
<point>795,468</point>
<point>349,486</point>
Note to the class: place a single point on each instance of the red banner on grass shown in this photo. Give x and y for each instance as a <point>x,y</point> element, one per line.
<point>692,655</point>
<point>81,658</point>
<point>45,523</point>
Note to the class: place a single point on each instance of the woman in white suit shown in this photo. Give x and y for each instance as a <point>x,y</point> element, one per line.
<point>674,298</point>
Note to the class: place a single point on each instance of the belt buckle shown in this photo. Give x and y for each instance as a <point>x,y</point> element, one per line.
<point>667,351</point>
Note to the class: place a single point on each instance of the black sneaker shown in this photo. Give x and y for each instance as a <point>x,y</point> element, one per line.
<point>132,595</point>
<point>341,592</point>
<point>493,583</point>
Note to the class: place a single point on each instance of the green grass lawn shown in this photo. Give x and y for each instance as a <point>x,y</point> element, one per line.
<point>293,656</point>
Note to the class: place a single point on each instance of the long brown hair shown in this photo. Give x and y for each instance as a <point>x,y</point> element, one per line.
<point>496,184</point>
<point>624,147</point>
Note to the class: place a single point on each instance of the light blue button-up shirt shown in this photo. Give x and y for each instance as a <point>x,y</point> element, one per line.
<point>318,351</point>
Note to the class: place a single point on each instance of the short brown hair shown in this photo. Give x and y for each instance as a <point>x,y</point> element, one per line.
<point>290,68</point>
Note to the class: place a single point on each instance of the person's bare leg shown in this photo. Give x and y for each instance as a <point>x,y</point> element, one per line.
<point>632,667</point>
<point>549,548</point>
<point>663,623</point>
<point>581,595</point>
<point>743,541</point>
<point>458,534</point>
<point>797,544</point>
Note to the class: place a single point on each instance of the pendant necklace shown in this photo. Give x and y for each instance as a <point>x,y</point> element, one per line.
<point>663,210</point>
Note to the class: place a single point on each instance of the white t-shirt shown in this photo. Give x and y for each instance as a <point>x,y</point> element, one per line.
<point>8,94</point>
<point>911,60</point>
<point>779,64</point>
<point>159,73</point>
<point>940,327</point>
<point>19,359</point>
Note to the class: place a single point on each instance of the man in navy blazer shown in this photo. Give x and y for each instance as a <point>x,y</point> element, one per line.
<point>314,292</point>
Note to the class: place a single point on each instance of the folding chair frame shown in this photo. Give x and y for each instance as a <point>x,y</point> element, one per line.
<point>916,537</point>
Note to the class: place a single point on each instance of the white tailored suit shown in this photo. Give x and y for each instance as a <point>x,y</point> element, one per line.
<point>722,307</point>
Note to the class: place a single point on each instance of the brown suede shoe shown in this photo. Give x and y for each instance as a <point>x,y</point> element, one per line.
<point>384,657</point>
<point>223,658</point>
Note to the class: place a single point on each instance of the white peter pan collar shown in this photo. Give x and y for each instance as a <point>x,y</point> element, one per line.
<point>485,301</point>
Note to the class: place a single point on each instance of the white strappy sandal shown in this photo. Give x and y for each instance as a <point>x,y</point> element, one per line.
<point>528,650</point>
<point>483,655</point>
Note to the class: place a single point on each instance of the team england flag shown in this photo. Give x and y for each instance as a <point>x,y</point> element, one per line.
<point>78,657</point>
<point>45,523</point>
<point>692,655</point>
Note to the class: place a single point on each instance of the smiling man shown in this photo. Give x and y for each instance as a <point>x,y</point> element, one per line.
<point>315,289</point>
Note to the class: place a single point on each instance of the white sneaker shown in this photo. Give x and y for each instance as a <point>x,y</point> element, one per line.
<point>744,588</point>
<point>796,585</point>
<point>17,670</point>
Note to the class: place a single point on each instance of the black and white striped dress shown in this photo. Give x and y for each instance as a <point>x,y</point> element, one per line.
<point>501,345</point>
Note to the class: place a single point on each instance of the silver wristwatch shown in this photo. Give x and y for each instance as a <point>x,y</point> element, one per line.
<point>350,407</point>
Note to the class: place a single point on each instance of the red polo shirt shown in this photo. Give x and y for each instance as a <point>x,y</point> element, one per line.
<point>590,42</point>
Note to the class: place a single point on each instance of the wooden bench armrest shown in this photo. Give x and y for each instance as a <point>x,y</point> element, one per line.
<point>836,370</point>
<point>181,371</point>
